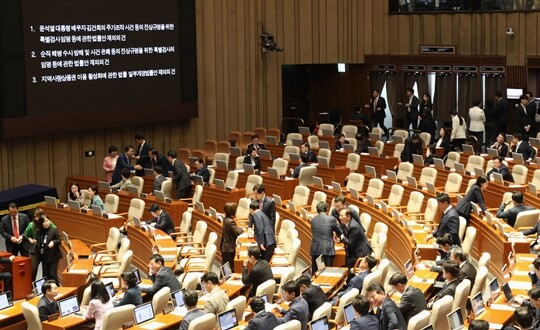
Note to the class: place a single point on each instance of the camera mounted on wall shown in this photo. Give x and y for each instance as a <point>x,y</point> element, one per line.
<point>268,43</point>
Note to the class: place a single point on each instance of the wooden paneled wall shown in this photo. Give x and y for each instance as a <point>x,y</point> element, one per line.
<point>240,88</point>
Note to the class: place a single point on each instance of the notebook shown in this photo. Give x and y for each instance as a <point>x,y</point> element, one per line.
<point>384,207</point>
<point>271,140</point>
<point>418,160</point>
<point>478,171</point>
<point>354,193</point>
<point>370,200</point>
<point>227,320</point>
<point>319,324</point>
<point>532,188</point>
<point>104,186</point>
<point>6,300</point>
<point>373,151</point>
<point>431,188</point>
<point>68,306</point>
<point>265,154</point>
<point>467,149</point>
<point>50,201</point>
<point>455,319</point>
<point>177,298</point>
<point>292,206</point>
<point>273,173</point>
<point>492,152</point>
<point>477,303</point>
<point>226,271</point>
<point>507,292</point>
<point>143,313</point>
<point>160,195</point>
<point>199,207</point>
<point>74,206</point>
<point>497,177</point>
<point>37,284</point>
<point>222,165</point>
<point>336,187</point>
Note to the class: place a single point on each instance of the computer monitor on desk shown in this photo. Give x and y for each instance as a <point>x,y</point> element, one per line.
<point>318,182</point>
<point>370,170</point>
<point>455,319</point>
<point>37,284</point>
<point>105,186</point>
<point>222,165</point>
<point>304,130</point>
<point>68,306</point>
<point>320,324</point>
<point>271,140</point>
<point>143,313</point>
<point>518,158</point>
<point>324,145</point>
<point>492,152</point>
<point>265,154</point>
<point>227,320</point>
<point>418,160</point>
<point>373,151</point>
<point>348,148</point>
<point>438,163</point>
<point>51,201</point>
<point>6,300</point>
<point>467,149</point>
<point>235,152</point>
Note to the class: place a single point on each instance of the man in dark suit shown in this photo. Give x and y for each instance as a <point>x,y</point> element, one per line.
<point>535,246</point>
<point>450,274</point>
<point>202,170</point>
<point>511,214</point>
<point>298,307</point>
<point>264,231</point>
<point>12,228</point>
<point>162,220</point>
<point>310,155</point>
<point>266,204</point>
<point>388,313</point>
<point>312,294</point>
<point>181,179</point>
<point>157,159</point>
<point>531,112</point>
<point>499,167</point>
<point>446,244</point>
<point>159,178</point>
<point>341,204</point>
<point>534,275</point>
<point>501,107</point>
<point>412,299</point>
<point>364,320</point>
<point>161,276</point>
<point>377,104</point>
<point>449,222</point>
<point>253,159</point>
<point>260,272</point>
<point>466,269</point>
<point>190,301</point>
<point>412,109</point>
<point>520,146</point>
<point>141,153</point>
<point>323,227</point>
<point>354,237</point>
<point>413,146</point>
<point>255,145</point>
<point>357,282</point>
<point>123,162</point>
<point>263,320</point>
<point>6,276</point>
<point>303,163</point>
<point>47,306</point>
<point>523,122</point>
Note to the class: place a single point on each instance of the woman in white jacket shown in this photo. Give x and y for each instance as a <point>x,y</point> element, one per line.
<point>478,119</point>
<point>459,130</point>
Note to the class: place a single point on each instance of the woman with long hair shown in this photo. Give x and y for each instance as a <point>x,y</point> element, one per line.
<point>46,248</point>
<point>100,302</point>
<point>459,130</point>
<point>32,234</point>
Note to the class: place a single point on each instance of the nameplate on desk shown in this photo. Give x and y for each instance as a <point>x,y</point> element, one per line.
<point>127,325</point>
<point>228,188</point>
<point>143,195</point>
<point>168,309</point>
<point>168,200</point>
<point>53,317</point>
<point>60,206</point>
<point>84,211</point>
<point>105,215</point>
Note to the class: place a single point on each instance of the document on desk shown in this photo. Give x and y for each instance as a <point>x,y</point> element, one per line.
<point>495,326</point>
<point>234,282</point>
<point>2,316</point>
<point>168,249</point>
<point>153,325</point>
<point>269,307</point>
<point>79,271</point>
<point>416,279</point>
<point>518,285</point>
<point>332,273</point>
<point>279,270</point>
<point>520,272</point>
<point>502,307</point>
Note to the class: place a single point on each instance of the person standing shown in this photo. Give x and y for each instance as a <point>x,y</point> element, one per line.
<point>181,179</point>
<point>32,234</point>
<point>377,104</point>
<point>491,121</point>
<point>501,107</point>
<point>478,119</point>
<point>142,153</point>
<point>531,113</point>
<point>47,248</point>
<point>264,231</point>
<point>426,106</point>
<point>157,159</point>
<point>354,237</point>
<point>412,109</point>
<point>109,162</point>
<point>266,204</point>
<point>473,195</point>
<point>323,227</point>
<point>123,162</point>
<point>12,228</point>
<point>523,122</point>
<point>229,235</point>
<point>459,130</point>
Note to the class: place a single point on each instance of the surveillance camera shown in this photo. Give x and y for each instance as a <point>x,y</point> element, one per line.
<point>268,43</point>
<point>509,32</point>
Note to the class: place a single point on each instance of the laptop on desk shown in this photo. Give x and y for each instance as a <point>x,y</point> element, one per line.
<point>249,168</point>
<point>319,324</point>
<point>518,158</point>
<point>348,312</point>
<point>498,178</point>
<point>418,160</point>
<point>273,173</point>
<point>74,206</point>
<point>143,313</point>
<point>277,200</point>
<point>348,148</point>
<point>220,184</point>
<point>199,207</point>
<point>384,207</point>
<point>323,162</point>
<point>110,289</point>
<point>37,284</point>
<point>324,145</point>
<point>411,181</point>
<point>318,182</point>
<point>409,268</point>
<point>292,206</point>
<point>534,142</point>
<point>478,306</point>
<point>177,298</point>
<point>373,151</point>
<point>6,300</point>
<point>222,165</point>
<point>532,188</point>
<point>68,306</point>
<point>227,320</point>
<point>265,154</point>
<point>354,193</point>
<point>320,264</point>
<point>370,200</point>
<point>294,157</point>
<point>438,163</point>
<point>478,171</point>
<point>235,152</point>
<point>492,152</point>
<point>392,176</point>
<point>327,133</point>
<point>304,130</point>
<point>160,195</point>
<point>50,201</point>
<point>132,190</point>
<point>226,271</point>
<point>370,170</point>
<point>467,149</point>
<point>307,272</point>
<point>336,187</point>
<point>104,186</point>
<point>455,319</point>
<point>271,140</point>
<point>198,180</point>
<point>97,211</point>
<point>296,142</point>
<point>431,188</point>
<point>459,168</point>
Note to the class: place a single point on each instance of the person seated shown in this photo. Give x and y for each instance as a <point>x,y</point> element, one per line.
<point>443,141</point>
<point>445,243</point>
<point>298,307</point>
<point>216,300</point>
<point>523,319</point>
<point>387,311</point>
<point>466,269</point>
<point>522,147</point>
<point>75,194</point>
<point>255,145</point>
<point>450,273</point>
<point>341,140</point>
<point>535,246</point>
<point>161,276</point>
<point>47,306</point>
<point>499,167</point>
<point>159,178</point>
<point>412,299</point>
<point>253,159</point>
<point>534,275</point>
<point>125,182</point>
<point>6,276</point>
<point>312,294</point>
<point>260,272</point>
<point>262,318</point>
<point>502,148</point>
<point>479,325</point>
<point>363,142</point>
<point>303,163</point>
<point>357,282</point>
<point>364,319</point>
<point>93,195</point>
<point>190,301</point>
<point>413,145</point>
<point>306,150</point>
<point>511,214</point>
<point>162,220</point>
<point>100,302</point>
<point>132,291</point>
<point>202,170</point>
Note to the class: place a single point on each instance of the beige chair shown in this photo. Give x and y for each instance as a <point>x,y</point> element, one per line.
<point>383,266</point>
<point>318,197</point>
<point>252,181</point>
<point>300,196</point>
<point>224,156</point>
<point>187,242</point>
<point>375,188</point>
<point>350,131</point>
<point>185,224</point>
<point>197,270</point>
<point>379,245</point>
<point>395,196</point>
<point>479,281</point>
<point>379,228</point>
<point>415,203</point>
<point>452,158</point>
<point>285,247</point>
<point>287,275</point>
<point>462,294</point>
<point>190,283</point>
<point>110,256</point>
<point>365,220</point>
<point>289,149</point>
<point>291,325</point>
<point>197,195</point>
<point>373,278</point>
<point>111,203</point>
<point>325,126</point>
<point>353,161</point>
<point>136,209</point>
<point>290,257</point>
<point>355,181</point>
<point>197,256</point>
<point>232,179</point>
<point>167,187</point>
<point>286,225</point>
<point>401,132</point>
<point>519,173</point>
<point>205,322</point>
<point>266,288</point>
<point>242,211</point>
<point>380,145</point>
<point>462,227</point>
<point>326,153</point>
<point>313,141</point>
<point>345,300</point>
<point>239,304</point>
<point>441,308</point>
<point>419,321</point>
<point>484,260</point>
<point>86,200</point>
<point>470,236</point>
<point>239,163</point>
<point>281,165</point>
<point>324,310</point>
<point>428,174</point>
<point>398,149</point>
<point>536,178</point>
<point>291,137</point>
<point>527,219</point>
<point>306,175</point>
<point>31,315</point>
<point>426,138</point>
<point>161,299</point>
<point>138,182</point>
<point>111,245</point>
<point>85,301</point>
<point>353,142</point>
<point>115,317</point>
<point>212,175</point>
<point>453,183</point>
<point>405,169</point>
<point>474,161</point>
<point>378,131</point>
<point>112,273</point>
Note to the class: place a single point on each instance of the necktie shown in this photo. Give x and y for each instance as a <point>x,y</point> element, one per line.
<point>15,228</point>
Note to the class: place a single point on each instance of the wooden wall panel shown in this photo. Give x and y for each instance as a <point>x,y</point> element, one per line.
<point>240,88</point>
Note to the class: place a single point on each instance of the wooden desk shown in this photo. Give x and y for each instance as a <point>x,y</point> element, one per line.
<point>69,322</point>
<point>331,280</point>
<point>21,271</point>
<point>337,174</point>
<point>85,181</point>
<point>142,246</point>
<point>217,198</point>
<point>168,321</point>
<point>78,274</point>
<point>280,187</point>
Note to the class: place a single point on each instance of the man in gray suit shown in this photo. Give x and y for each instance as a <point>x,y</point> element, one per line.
<point>263,320</point>
<point>190,300</point>
<point>181,179</point>
<point>161,276</point>
<point>412,299</point>
<point>160,178</point>
<point>264,231</point>
<point>466,269</point>
<point>510,215</point>
<point>298,307</point>
<point>323,227</point>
